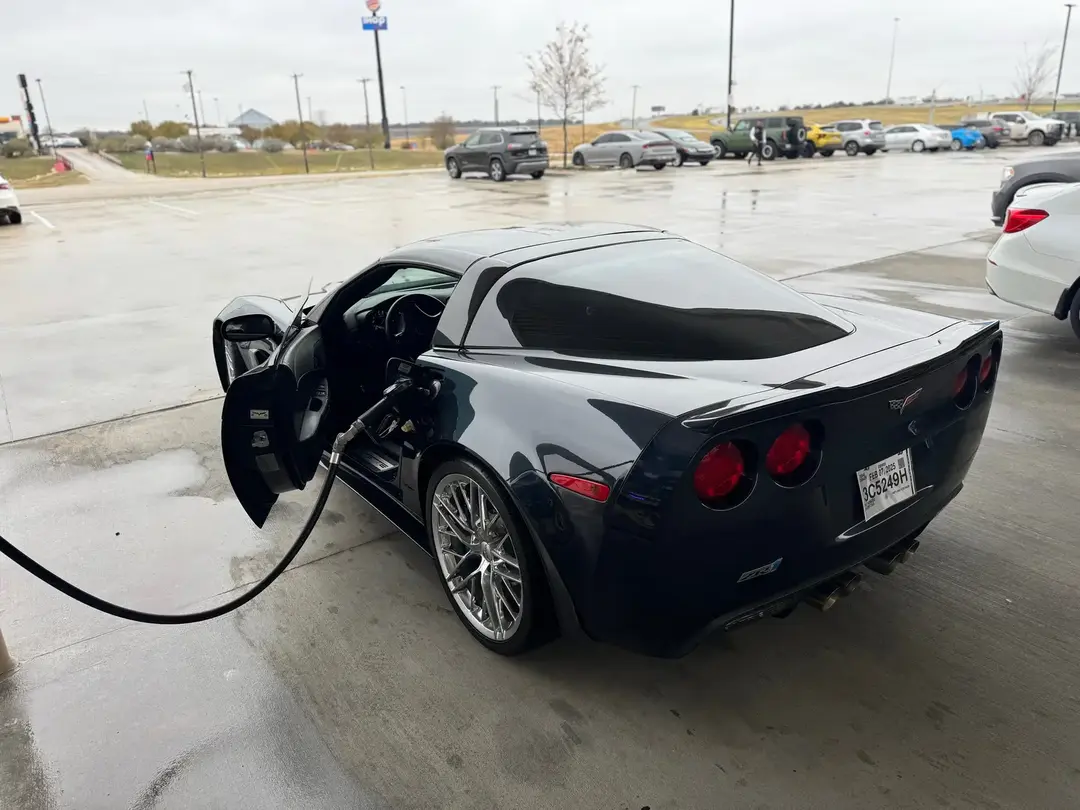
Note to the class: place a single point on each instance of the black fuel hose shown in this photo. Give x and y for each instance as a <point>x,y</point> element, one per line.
<point>371,416</point>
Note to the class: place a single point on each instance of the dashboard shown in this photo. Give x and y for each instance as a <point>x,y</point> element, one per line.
<point>365,320</point>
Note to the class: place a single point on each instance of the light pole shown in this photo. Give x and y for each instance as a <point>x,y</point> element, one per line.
<point>405,105</point>
<point>217,107</point>
<point>48,122</point>
<point>1061,64</point>
<point>633,109</point>
<point>367,124</point>
<point>730,62</point>
<point>892,58</point>
<point>195,112</point>
<point>300,117</point>
<point>495,88</point>
<point>202,109</point>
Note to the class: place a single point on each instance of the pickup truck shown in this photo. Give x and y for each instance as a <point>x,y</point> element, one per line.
<point>1025,125</point>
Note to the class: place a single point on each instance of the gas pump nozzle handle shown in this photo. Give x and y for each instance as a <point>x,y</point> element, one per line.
<point>372,416</point>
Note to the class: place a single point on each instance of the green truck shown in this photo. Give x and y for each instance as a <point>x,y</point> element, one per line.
<point>778,137</point>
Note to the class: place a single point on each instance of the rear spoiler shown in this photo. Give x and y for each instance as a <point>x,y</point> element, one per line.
<point>848,380</point>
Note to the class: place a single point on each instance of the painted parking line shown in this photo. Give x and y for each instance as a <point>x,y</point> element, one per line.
<point>287,198</point>
<point>42,220</point>
<point>185,211</point>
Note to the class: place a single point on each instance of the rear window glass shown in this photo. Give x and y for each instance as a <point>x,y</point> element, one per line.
<point>656,300</point>
<point>875,125</point>
<point>525,138</point>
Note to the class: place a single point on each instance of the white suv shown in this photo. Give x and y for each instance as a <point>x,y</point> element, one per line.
<point>9,203</point>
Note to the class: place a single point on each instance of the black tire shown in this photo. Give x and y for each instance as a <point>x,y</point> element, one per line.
<point>537,175</point>
<point>740,155</point>
<point>1074,313</point>
<point>659,166</point>
<point>1036,138</point>
<point>453,168</point>
<point>721,150</point>
<point>918,146</point>
<point>680,159</point>
<point>578,160</point>
<point>704,162</point>
<point>851,149</point>
<point>537,623</point>
<point>625,161</point>
<point>932,149</point>
<point>800,136</point>
<point>826,152</point>
<point>768,150</point>
<point>14,218</point>
<point>808,149</point>
<point>956,145</point>
<point>870,151</point>
<point>497,170</point>
<point>791,154</point>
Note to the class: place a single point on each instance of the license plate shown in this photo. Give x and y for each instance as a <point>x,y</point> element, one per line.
<point>885,484</point>
<point>532,151</point>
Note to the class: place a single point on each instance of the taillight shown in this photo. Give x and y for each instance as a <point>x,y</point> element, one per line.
<point>789,452</point>
<point>515,146</point>
<point>986,367</point>
<point>1020,219</point>
<point>866,132</point>
<point>966,384</point>
<point>719,472</point>
<point>582,486</point>
<point>989,366</point>
<point>961,381</point>
<point>4,187</point>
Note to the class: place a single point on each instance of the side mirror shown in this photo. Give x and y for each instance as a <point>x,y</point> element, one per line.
<point>249,327</point>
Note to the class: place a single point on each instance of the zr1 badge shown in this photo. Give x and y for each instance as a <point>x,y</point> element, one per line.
<point>754,573</point>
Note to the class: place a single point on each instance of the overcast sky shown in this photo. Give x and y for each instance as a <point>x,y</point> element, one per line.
<point>99,61</point>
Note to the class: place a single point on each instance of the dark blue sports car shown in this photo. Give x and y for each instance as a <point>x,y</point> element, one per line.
<point>621,432</point>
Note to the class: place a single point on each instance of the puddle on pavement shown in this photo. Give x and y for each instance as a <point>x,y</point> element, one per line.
<point>963,301</point>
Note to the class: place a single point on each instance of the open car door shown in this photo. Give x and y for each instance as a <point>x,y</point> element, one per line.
<point>273,368</point>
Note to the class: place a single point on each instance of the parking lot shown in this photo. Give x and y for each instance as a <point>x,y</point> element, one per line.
<point>350,683</point>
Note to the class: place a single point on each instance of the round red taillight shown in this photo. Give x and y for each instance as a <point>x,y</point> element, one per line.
<point>789,452</point>
<point>719,472</point>
<point>961,382</point>
<point>986,367</point>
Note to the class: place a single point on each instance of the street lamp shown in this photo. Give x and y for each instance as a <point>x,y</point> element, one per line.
<point>405,104</point>
<point>1061,64</point>
<point>892,58</point>
<point>48,123</point>
<point>730,62</point>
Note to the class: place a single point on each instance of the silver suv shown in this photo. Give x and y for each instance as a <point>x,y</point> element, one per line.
<point>860,135</point>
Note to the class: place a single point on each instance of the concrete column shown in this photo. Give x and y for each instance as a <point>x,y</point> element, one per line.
<point>7,663</point>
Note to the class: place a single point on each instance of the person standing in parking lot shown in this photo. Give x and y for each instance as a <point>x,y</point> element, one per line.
<point>757,137</point>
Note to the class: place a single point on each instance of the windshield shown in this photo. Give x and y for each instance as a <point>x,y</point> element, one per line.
<point>675,135</point>
<point>410,277</point>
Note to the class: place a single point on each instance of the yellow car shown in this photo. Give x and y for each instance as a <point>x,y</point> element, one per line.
<point>821,140</point>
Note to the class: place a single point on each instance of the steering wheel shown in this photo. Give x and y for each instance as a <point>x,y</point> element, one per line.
<point>406,312</point>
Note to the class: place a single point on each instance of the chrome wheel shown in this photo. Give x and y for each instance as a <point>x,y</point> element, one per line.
<point>477,557</point>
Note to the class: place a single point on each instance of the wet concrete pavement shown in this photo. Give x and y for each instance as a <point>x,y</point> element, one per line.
<point>350,683</point>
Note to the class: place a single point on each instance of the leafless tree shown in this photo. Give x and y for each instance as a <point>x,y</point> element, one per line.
<point>443,131</point>
<point>565,77</point>
<point>1033,71</point>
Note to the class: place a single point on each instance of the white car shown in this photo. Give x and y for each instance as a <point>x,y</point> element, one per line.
<point>1035,263</point>
<point>9,203</point>
<point>917,138</point>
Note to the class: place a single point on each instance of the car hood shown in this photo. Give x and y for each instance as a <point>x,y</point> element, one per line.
<point>675,388</point>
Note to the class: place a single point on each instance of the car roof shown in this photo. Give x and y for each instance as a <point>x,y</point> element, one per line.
<point>458,251</point>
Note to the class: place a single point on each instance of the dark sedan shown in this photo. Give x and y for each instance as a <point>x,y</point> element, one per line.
<point>1054,169</point>
<point>583,440</point>
<point>690,149</point>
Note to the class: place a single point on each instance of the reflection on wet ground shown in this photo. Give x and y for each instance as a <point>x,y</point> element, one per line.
<point>351,684</point>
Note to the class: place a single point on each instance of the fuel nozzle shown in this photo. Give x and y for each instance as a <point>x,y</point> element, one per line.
<point>373,415</point>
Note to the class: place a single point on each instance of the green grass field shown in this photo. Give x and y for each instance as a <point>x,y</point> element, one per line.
<point>951,113</point>
<point>36,172</point>
<point>240,164</point>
